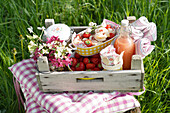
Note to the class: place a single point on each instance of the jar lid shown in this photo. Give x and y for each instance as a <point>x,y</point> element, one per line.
<point>60,30</point>
<point>125,22</point>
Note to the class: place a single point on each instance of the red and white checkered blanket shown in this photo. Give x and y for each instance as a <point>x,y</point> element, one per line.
<point>39,102</point>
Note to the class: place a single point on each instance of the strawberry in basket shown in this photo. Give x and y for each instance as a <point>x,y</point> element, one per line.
<point>88,43</point>
<point>86,35</point>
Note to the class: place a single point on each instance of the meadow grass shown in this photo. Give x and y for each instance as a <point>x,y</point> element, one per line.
<point>17,15</point>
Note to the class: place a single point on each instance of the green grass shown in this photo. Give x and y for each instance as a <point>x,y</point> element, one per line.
<point>17,15</point>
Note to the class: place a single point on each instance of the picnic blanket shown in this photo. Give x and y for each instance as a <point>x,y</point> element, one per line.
<point>38,102</point>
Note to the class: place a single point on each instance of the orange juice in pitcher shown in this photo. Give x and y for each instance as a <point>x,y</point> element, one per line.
<point>125,43</point>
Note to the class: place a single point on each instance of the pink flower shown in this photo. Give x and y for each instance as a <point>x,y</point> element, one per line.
<point>59,60</point>
<point>36,54</point>
<point>69,55</point>
<point>61,41</point>
<point>54,38</point>
<point>48,41</point>
<point>56,65</point>
<point>54,62</point>
<point>67,61</point>
<point>61,64</point>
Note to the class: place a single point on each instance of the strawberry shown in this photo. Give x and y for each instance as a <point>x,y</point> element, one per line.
<point>90,66</point>
<point>108,26</point>
<point>96,55</point>
<point>88,43</point>
<point>86,35</point>
<point>73,68</point>
<point>74,61</point>
<point>111,35</point>
<point>86,60</point>
<point>80,66</point>
<point>96,69</point>
<point>77,55</point>
<point>95,60</point>
<point>81,59</point>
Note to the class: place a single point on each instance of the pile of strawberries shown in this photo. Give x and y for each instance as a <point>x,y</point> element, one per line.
<point>91,63</point>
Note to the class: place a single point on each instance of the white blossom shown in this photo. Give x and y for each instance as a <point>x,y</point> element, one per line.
<point>30,29</point>
<point>40,47</point>
<point>92,24</point>
<point>30,49</point>
<point>52,67</point>
<point>31,55</point>
<point>44,44</point>
<point>45,51</point>
<point>64,43</point>
<point>32,43</point>
<point>41,28</point>
<point>50,45</point>
<point>32,37</point>
<point>40,55</point>
<point>69,50</point>
<point>31,46</point>
<point>58,55</point>
<point>53,42</point>
<point>35,36</point>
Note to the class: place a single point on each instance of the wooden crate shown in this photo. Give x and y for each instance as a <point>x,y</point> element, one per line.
<point>105,81</point>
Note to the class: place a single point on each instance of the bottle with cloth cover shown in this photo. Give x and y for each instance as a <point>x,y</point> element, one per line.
<point>125,43</point>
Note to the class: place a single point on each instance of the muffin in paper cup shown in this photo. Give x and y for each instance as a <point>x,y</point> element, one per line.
<point>110,59</point>
<point>115,67</point>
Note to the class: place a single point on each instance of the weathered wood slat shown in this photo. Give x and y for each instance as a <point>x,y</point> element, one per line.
<point>127,86</point>
<point>78,29</point>
<point>104,78</point>
<point>83,86</point>
<point>135,74</point>
<point>137,63</point>
<point>49,22</point>
<point>42,64</point>
<point>123,80</point>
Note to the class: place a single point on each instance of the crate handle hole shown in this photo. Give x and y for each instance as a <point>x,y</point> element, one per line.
<point>89,79</point>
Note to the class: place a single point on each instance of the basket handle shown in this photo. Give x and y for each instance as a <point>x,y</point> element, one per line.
<point>73,48</point>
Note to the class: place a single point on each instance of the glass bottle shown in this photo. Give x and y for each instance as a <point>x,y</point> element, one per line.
<point>125,43</point>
